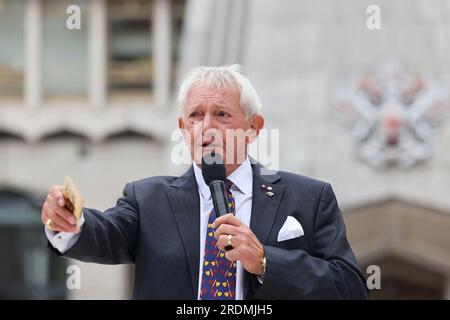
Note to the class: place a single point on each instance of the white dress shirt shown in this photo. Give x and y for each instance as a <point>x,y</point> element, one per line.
<point>242,191</point>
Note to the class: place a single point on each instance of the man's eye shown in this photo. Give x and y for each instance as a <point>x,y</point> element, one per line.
<point>194,115</point>
<point>223,114</point>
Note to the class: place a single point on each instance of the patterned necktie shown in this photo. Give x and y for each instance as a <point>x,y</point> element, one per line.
<point>219,274</point>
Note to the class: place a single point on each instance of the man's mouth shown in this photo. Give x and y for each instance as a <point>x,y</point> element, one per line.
<point>210,143</point>
<point>205,144</point>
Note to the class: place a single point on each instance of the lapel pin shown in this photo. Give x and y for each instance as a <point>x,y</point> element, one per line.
<point>269,192</point>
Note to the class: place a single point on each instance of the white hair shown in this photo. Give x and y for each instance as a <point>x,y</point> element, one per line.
<point>222,77</point>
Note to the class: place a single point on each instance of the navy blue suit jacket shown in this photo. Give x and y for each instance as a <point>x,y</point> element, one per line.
<point>156,226</point>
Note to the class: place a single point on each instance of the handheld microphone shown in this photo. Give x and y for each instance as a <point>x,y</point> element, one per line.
<point>214,174</point>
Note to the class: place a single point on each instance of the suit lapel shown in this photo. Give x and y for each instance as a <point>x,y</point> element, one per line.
<point>264,210</point>
<point>185,203</point>
<point>264,207</point>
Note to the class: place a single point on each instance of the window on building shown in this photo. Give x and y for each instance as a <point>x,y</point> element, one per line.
<point>130,67</point>
<point>178,11</point>
<point>65,61</point>
<point>64,55</point>
<point>12,44</point>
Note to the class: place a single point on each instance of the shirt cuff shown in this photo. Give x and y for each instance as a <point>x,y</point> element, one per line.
<point>63,241</point>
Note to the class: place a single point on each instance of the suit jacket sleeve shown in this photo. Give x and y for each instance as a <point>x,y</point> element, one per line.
<point>330,272</point>
<point>109,237</point>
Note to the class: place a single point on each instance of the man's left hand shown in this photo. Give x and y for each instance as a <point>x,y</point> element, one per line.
<point>246,247</point>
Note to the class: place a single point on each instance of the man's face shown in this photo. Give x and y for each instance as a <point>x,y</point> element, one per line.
<point>214,121</point>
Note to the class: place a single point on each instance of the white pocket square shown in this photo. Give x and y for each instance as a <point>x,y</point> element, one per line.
<point>291,229</point>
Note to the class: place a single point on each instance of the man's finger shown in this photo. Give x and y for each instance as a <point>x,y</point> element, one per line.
<point>45,208</point>
<point>57,227</point>
<point>228,219</point>
<point>61,222</point>
<point>226,229</point>
<point>61,211</point>
<point>49,213</point>
<point>232,255</point>
<point>222,242</point>
<point>57,194</point>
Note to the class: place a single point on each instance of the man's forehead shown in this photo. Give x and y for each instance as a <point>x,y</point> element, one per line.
<point>201,91</point>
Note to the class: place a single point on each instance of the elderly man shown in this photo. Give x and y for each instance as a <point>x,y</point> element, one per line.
<point>286,231</point>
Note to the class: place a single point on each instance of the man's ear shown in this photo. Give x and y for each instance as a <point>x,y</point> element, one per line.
<point>256,124</point>
<point>181,126</point>
<point>180,123</point>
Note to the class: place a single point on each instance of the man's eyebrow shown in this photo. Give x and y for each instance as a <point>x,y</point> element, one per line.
<point>217,105</point>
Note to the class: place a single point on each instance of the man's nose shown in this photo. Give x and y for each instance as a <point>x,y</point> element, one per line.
<point>208,123</point>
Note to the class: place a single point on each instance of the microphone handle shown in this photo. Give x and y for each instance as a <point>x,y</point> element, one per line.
<point>220,201</point>
<point>219,197</point>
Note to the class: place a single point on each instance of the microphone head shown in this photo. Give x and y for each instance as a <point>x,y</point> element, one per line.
<point>213,168</point>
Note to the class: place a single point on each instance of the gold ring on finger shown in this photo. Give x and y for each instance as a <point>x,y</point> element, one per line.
<point>229,237</point>
<point>48,224</point>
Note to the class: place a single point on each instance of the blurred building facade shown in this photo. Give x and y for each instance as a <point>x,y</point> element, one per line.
<point>98,104</point>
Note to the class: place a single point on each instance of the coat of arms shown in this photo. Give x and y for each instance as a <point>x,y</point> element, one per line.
<point>392,115</point>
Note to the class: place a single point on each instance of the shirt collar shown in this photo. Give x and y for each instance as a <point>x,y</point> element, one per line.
<point>242,179</point>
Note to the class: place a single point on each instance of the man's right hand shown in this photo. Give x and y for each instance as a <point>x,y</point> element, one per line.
<point>54,208</point>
